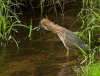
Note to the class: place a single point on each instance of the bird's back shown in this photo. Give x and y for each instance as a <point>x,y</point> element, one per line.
<point>72,41</point>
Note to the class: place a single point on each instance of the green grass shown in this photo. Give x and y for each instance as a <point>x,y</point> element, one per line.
<point>89,32</point>
<point>91,70</point>
<point>9,21</point>
<point>90,26</point>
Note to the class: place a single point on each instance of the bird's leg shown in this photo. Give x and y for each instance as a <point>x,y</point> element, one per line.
<point>67,53</point>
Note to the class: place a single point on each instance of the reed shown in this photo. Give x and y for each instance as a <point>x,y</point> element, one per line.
<point>90,25</point>
<point>90,70</point>
<point>90,32</point>
<point>53,4</point>
<point>8,22</point>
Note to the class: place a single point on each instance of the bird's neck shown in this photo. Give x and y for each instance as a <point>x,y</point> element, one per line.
<point>56,28</point>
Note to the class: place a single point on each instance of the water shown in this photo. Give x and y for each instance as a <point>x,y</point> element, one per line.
<point>38,61</point>
<point>44,55</point>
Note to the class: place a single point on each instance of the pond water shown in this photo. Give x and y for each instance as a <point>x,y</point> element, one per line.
<point>44,55</point>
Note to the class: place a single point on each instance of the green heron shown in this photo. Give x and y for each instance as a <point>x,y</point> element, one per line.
<point>69,39</point>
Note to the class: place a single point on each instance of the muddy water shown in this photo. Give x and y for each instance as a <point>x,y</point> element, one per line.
<point>48,59</point>
<point>42,56</point>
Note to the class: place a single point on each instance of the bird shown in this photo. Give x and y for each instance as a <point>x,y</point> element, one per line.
<point>68,38</point>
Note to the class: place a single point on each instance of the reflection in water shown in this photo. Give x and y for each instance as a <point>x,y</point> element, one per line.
<point>39,60</point>
<point>66,71</point>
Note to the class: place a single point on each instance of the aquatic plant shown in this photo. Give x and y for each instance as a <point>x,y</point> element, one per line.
<point>90,32</point>
<point>90,70</point>
<point>53,5</point>
<point>90,28</point>
<point>8,22</point>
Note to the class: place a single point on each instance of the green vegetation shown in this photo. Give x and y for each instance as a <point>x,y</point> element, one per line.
<point>90,32</point>
<point>90,70</point>
<point>8,22</point>
<point>90,28</point>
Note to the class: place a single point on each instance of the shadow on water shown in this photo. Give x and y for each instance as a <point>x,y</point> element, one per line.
<point>40,57</point>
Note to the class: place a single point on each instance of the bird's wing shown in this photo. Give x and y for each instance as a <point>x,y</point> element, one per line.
<point>70,40</point>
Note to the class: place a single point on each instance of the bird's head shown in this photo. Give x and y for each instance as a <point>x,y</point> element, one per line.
<point>46,24</point>
<point>51,26</point>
